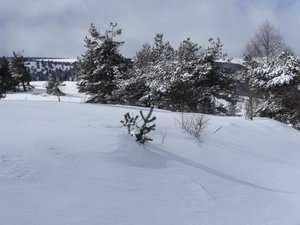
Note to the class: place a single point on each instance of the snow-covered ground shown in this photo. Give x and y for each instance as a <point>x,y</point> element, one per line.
<point>69,60</point>
<point>68,163</point>
<point>39,93</point>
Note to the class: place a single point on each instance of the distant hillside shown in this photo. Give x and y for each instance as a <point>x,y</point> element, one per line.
<point>66,69</point>
<point>41,68</point>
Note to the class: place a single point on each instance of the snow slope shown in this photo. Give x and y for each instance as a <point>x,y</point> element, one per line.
<point>66,163</point>
<point>39,93</point>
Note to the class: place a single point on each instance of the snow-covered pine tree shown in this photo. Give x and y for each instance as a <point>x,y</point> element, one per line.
<point>134,88</point>
<point>4,72</point>
<point>278,83</point>
<point>101,64</point>
<point>53,86</point>
<point>158,79</point>
<point>146,127</point>
<point>181,94</point>
<point>2,92</point>
<point>187,79</point>
<point>157,71</point>
<point>216,84</point>
<point>129,122</point>
<point>131,90</point>
<point>7,83</point>
<point>252,95</point>
<point>144,58</point>
<point>19,72</point>
<point>199,79</point>
<point>138,131</point>
<point>150,76</point>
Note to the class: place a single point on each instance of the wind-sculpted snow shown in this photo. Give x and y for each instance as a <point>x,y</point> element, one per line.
<point>68,163</point>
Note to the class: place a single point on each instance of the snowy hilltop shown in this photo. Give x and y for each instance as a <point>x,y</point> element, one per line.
<point>67,163</point>
<point>41,68</point>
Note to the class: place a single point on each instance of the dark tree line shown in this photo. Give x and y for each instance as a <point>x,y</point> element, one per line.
<point>191,78</point>
<point>40,69</point>
<point>14,75</point>
<point>187,79</point>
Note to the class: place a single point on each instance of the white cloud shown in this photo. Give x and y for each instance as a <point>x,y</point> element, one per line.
<point>57,27</point>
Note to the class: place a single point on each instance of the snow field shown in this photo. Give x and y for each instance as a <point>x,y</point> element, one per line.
<point>67,163</point>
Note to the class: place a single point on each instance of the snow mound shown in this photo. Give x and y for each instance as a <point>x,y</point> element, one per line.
<point>137,155</point>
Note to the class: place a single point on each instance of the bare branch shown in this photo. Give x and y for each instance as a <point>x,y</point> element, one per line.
<point>267,43</point>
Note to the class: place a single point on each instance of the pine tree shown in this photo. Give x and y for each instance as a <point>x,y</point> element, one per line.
<point>132,90</point>
<point>2,92</point>
<point>284,88</point>
<point>101,65</point>
<point>162,69</point>
<point>4,73</point>
<point>136,88</point>
<point>53,86</point>
<point>199,79</point>
<point>216,84</point>
<point>150,76</point>
<point>182,95</point>
<point>139,131</point>
<point>144,58</point>
<point>278,85</point>
<point>156,70</point>
<point>187,79</point>
<point>7,83</point>
<point>18,70</point>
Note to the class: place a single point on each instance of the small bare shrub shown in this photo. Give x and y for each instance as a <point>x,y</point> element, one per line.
<point>193,124</point>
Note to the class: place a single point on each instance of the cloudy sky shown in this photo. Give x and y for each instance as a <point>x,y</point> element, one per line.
<point>57,27</point>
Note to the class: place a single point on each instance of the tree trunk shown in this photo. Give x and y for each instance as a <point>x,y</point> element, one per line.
<point>24,86</point>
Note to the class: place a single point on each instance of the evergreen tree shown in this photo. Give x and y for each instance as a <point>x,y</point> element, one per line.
<point>199,82</point>
<point>7,83</point>
<point>18,70</point>
<point>101,65</point>
<point>4,72</point>
<point>216,84</point>
<point>139,131</point>
<point>136,89</point>
<point>182,95</point>
<point>2,92</point>
<point>144,58</point>
<point>278,85</point>
<point>132,90</point>
<point>150,76</point>
<point>155,71</point>
<point>161,71</point>
<point>187,79</point>
<point>53,86</point>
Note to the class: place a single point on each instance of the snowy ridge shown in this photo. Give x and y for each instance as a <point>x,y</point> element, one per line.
<point>74,163</point>
<point>67,60</point>
<point>64,69</point>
